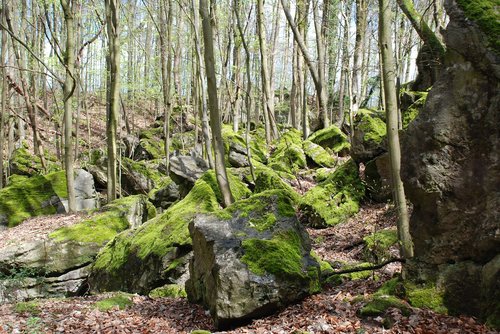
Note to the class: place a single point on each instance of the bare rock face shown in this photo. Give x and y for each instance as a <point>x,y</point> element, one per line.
<point>451,169</point>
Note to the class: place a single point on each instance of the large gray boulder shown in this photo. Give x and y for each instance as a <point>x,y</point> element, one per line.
<point>251,259</point>
<point>451,169</point>
<point>58,263</point>
<point>85,193</point>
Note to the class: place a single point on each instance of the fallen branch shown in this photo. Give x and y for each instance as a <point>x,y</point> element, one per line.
<point>365,268</point>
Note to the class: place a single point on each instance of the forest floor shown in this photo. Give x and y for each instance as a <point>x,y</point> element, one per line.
<point>334,310</point>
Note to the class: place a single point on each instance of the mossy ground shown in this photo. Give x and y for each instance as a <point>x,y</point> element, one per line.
<point>105,225</point>
<point>335,199</point>
<point>378,305</point>
<point>30,197</point>
<point>120,300</point>
<point>169,290</point>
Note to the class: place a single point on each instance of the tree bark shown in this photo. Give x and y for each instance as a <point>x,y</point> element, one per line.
<point>113,92</point>
<point>388,74</point>
<point>215,122</point>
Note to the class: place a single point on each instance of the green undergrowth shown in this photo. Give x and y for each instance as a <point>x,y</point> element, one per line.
<point>29,197</point>
<point>378,244</point>
<point>31,307</point>
<point>336,199</point>
<point>103,226</point>
<point>119,300</point>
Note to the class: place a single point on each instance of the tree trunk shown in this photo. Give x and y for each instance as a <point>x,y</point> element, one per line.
<point>268,96</point>
<point>113,92</point>
<point>166,72</point>
<point>215,123</point>
<point>5,88</point>
<point>388,74</point>
<point>359,48</point>
<point>320,92</point>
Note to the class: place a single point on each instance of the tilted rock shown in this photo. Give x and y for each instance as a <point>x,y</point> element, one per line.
<point>185,170</point>
<point>451,168</point>
<point>369,139</point>
<point>250,259</point>
<point>57,264</point>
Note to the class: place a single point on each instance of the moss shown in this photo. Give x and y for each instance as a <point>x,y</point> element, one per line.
<point>258,208</point>
<point>332,138</point>
<point>486,14</point>
<point>324,266</point>
<point>238,188</point>
<point>373,128</point>
<point>378,305</point>
<point>30,197</point>
<point>161,234</point>
<point>414,109</point>
<point>151,133</point>
<point>258,147</point>
<point>378,244</point>
<point>288,155</point>
<point>280,256</point>
<point>267,179</point>
<point>336,199</point>
<point>120,300</point>
<point>318,154</point>
<point>323,173</point>
<point>200,331</point>
<point>32,307</point>
<point>169,290</point>
<point>425,296</point>
<point>155,147</point>
<point>105,225</point>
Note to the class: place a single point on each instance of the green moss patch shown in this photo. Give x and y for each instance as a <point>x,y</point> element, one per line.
<point>414,109</point>
<point>332,138</point>
<point>30,197</point>
<point>378,244</point>
<point>486,14</point>
<point>120,301</point>
<point>378,305</point>
<point>334,200</point>
<point>288,155</point>
<point>169,290</point>
<point>373,127</point>
<point>425,296</point>
<point>102,227</point>
<point>318,154</point>
<point>258,146</point>
<point>280,256</point>
<point>31,307</point>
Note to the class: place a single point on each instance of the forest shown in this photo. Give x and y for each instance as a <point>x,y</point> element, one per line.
<point>236,166</point>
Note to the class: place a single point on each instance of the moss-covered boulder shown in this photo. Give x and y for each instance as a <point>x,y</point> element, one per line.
<point>57,264</point>
<point>288,155</point>
<point>332,138</point>
<point>334,200</point>
<point>317,155</point>
<point>250,259</point>
<point>369,136</point>
<point>156,253</point>
<point>22,162</point>
<point>38,195</point>
<point>268,179</point>
<point>236,143</point>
